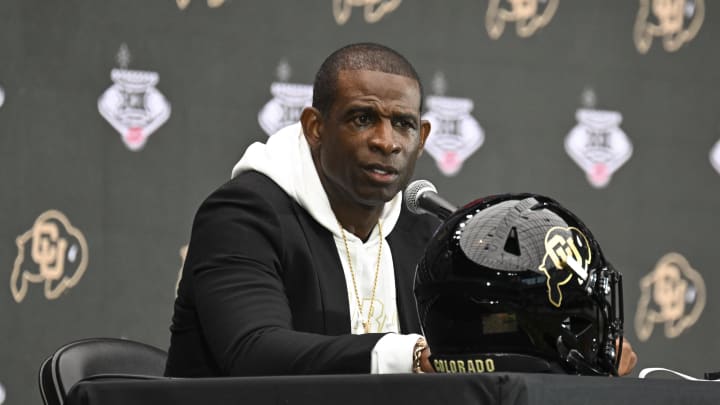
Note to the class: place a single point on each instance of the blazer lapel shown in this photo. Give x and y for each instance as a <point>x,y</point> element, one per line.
<point>404,261</point>
<point>328,270</point>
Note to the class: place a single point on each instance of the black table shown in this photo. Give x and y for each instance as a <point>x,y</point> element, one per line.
<point>456,389</point>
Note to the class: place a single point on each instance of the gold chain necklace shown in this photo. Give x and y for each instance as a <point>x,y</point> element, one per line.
<point>366,324</point>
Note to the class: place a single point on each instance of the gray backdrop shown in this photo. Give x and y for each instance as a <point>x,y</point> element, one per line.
<point>91,231</point>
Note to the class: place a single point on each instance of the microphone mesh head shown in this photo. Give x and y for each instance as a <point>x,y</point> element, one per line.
<point>413,192</point>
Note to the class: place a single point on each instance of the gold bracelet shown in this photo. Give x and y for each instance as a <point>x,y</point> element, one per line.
<point>420,345</point>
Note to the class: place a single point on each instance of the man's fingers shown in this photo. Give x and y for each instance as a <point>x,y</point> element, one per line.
<point>628,358</point>
<point>425,364</point>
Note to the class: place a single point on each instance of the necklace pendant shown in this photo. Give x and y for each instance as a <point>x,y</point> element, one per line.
<point>366,327</point>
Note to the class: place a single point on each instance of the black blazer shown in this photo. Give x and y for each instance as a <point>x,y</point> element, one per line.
<point>263,291</point>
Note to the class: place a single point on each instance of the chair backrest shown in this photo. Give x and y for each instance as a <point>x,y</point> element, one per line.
<point>89,358</point>
<point>47,387</point>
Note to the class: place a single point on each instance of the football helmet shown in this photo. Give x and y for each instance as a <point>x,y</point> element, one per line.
<point>517,282</point>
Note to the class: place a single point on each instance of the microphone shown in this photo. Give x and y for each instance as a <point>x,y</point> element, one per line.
<point>421,197</point>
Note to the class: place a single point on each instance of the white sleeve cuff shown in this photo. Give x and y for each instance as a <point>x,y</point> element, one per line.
<point>393,353</point>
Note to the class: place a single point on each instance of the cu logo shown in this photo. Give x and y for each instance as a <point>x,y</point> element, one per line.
<point>53,253</point>
<point>561,244</point>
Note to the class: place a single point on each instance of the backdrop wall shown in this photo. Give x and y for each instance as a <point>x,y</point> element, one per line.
<point>118,117</point>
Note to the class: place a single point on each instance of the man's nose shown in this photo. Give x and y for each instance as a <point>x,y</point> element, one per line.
<point>384,138</point>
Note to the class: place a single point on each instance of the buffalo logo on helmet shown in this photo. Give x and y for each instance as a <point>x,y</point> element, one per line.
<point>673,294</point>
<point>567,252</point>
<point>132,105</point>
<point>675,21</point>
<point>52,252</point>
<point>289,99</point>
<point>456,133</point>
<point>373,10</point>
<point>528,16</point>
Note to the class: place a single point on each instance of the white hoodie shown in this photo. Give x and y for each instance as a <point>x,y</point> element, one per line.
<point>285,158</point>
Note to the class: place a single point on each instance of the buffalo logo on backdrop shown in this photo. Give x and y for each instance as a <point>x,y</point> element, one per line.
<point>287,103</point>
<point>673,294</point>
<point>715,156</point>
<point>456,134</point>
<point>597,143</point>
<point>373,10</point>
<point>53,253</point>
<point>132,105</point>
<point>183,4</point>
<point>183,255</point>
<point>567,252</point>
<point>528,16</point>
<point>675,21</point>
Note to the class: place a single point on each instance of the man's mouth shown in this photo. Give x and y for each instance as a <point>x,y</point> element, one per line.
<point>382,173</point>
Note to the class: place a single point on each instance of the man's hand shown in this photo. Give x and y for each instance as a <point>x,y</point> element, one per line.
<point>425,364</point>
<point>628,358</point>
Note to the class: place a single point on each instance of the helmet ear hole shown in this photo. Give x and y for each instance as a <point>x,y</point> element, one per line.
<point>512,244</point>
<point>576,331</point>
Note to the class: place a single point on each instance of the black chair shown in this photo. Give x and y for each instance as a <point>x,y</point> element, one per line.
<point>97,358</point>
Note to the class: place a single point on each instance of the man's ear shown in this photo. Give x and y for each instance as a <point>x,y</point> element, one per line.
<point>424,132</point>
<point>311,121</point>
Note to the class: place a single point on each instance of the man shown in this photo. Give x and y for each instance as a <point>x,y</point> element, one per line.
<point>304,262</point>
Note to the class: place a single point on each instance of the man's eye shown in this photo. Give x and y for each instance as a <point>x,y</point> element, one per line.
<point>406,124</point>
<point>362,119</point>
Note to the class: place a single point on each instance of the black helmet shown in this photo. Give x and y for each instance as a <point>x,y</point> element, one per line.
<point>517,282</point>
